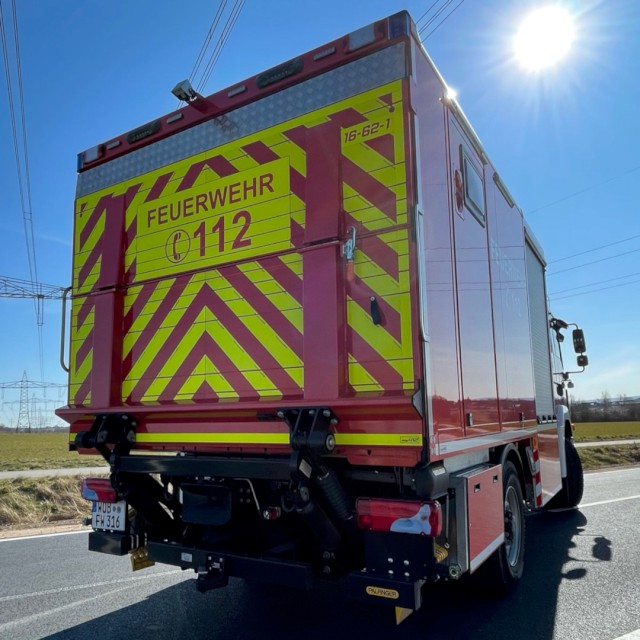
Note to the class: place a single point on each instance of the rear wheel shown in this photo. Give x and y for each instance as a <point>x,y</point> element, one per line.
<point>504,568</point>
<point>573,485</point>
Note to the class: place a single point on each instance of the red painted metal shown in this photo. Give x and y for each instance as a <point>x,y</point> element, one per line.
<point>485,509</point>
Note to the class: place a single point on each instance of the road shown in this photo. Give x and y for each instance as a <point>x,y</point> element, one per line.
<point>581,584</point>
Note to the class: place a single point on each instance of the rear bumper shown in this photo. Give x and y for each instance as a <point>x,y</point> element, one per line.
<point>210,562</point>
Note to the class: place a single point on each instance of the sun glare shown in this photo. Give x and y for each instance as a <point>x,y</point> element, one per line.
<point>544,38</point>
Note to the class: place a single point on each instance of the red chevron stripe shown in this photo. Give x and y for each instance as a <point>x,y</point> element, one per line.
<point>253,346</point>
<point>158,186</point>
<point>385,146</point>
<point>138,305</point>
<point>375,192</point>
<point>361,294</point>
<point>263,154</point>
<point>131,236</point>
<point>98,210</point>
<point>298,135</point>
<point>283,275</point>
<point>347,118</point>
<point>84,350</point>
<point>379,369</point>
<point>104,203</point>
<point>377,250</point>
<point>220,165</point>
<point>172,296</point>
<point>83,313</point>
<point>207,346</point>
<point>204,393</point>
<point>207,298</point>
<point>287,331</point>
<point>90,262</point>
<point>83,391</point>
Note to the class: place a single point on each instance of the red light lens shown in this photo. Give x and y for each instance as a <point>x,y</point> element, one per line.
<point>401,516</point>
<point>98,490</point>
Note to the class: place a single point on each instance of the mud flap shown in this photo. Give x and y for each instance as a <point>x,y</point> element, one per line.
<point>404,595</point>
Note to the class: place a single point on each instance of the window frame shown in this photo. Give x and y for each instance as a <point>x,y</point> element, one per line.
<point>465,161</point>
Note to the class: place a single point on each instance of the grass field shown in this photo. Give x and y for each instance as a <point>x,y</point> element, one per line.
<point>19,451</point>
<point>588,431</point>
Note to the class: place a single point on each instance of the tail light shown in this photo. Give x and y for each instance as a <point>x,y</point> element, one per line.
<point>401,516</point>
<point>98,490</point>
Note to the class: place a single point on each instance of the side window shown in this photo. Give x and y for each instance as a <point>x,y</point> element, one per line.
<point>473,186</point>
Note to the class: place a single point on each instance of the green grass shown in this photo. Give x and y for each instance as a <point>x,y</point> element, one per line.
<point>589,431</point>
<point>23,451</point>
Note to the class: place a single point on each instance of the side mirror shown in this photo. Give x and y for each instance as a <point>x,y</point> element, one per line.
<point>583,361</point>
<point>579,345</point>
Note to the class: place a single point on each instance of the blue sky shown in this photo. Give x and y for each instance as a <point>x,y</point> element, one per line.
<point>565,140</point>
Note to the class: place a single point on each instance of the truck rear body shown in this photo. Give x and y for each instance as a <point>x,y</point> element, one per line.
<point>310,291</point>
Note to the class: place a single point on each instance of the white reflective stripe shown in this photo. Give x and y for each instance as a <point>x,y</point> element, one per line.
<point>486,552</point>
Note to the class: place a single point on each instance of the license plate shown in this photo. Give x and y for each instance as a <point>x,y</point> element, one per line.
<point>109,515</point>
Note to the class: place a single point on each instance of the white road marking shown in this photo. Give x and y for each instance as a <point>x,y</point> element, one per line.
<point>594,504</point>
<point>44,535</point>
<point>72,605</point>
<point>78,587</point>
<point>634,635</point>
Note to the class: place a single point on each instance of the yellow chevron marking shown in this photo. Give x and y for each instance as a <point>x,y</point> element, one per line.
<point>360,379</point>
<point>364,212</point>
<point>206,372</point>
<point>397,353</point>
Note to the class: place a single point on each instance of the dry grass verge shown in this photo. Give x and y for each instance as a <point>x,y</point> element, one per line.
<point>598,457</point>
<point>32,502</point>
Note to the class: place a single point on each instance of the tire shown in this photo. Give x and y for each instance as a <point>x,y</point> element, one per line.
<point>502,571</point>
<point>573,485</point>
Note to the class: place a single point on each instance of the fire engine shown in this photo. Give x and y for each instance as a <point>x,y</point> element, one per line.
<point>309,333</point>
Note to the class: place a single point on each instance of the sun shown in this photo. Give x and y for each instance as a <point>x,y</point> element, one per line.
<point>544,38</point>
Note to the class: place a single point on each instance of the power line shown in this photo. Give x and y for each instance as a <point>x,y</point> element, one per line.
<point>443,20</point>
<point>584,293</point>
<point>586,264</point>
<point>24,186</point>
<point>593,284</point>
<point>604,246</point>
<point>224,36</point>
<point>207,39</point>
<point>589,188</point>
<point>426,12</point>
<point>434,17</point>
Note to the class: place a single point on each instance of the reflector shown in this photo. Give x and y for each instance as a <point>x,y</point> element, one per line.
<point>98,489</point>
<point>400,516</point>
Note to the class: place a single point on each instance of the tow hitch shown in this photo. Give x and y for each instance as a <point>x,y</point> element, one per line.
<point>211,576</point>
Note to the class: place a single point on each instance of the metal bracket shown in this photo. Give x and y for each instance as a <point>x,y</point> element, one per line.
<point>310,429</point>
<point>114,429</point>
<point>212,576</point>
<point>310,438</point>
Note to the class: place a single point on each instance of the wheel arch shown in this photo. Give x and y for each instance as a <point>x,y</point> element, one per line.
<point>510,453</point>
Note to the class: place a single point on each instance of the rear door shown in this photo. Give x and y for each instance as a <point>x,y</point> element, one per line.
<point>272,266</point>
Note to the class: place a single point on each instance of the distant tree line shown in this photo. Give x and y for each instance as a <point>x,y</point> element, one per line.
<point>606,409</point>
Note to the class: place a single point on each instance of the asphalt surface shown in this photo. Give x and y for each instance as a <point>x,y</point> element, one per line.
<point>581,583</point>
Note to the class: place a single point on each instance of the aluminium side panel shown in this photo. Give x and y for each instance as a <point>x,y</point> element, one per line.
<point>539,319</point>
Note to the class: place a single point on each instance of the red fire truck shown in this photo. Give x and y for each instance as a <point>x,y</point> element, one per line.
<point>309,333</point>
